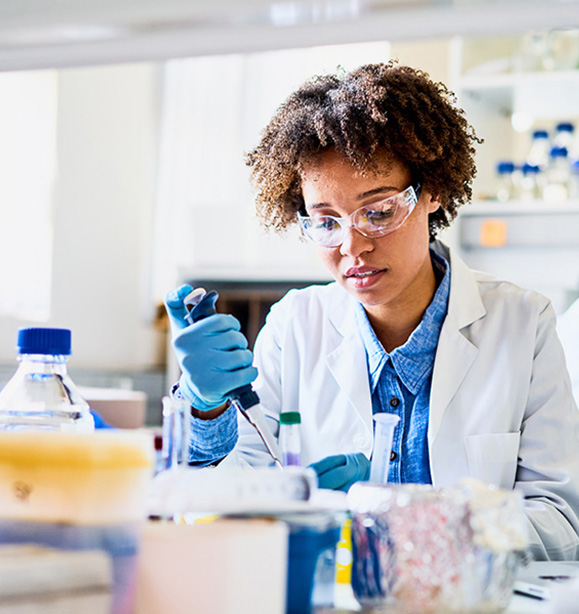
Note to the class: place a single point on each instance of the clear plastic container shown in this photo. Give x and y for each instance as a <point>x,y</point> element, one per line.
<point>289,438</point>
<point>78,491</point>
<point>41,395</point>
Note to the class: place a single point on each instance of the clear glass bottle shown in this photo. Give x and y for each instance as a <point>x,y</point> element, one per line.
<point>565,137</point>
<point>289,438</point>
<point>505,170</point>
<point>539,149</point>
<point>41,395</point>
<point>556,187</point>
<point>530,182</point>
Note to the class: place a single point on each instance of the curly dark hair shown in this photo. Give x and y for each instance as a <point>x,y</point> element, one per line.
<point>377,107</point>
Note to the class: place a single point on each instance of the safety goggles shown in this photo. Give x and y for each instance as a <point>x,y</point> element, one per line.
<point>375,220</point>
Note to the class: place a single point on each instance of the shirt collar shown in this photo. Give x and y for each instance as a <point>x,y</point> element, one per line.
<point>414,360</point>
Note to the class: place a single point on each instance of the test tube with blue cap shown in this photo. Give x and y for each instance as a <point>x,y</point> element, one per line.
<point>201,304</point>
<point>384,425</point>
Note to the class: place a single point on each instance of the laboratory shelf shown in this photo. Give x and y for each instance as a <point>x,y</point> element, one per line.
<point>485,208</point>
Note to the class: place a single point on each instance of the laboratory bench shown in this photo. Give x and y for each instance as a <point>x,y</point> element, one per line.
<point>530,575</point>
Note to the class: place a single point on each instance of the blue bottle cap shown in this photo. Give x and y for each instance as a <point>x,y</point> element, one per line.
<point>559,152</point>
<point>56,341</point>
<point>565,127</point>
<point>540,134</point>
<point>505,167</point>
<point>530,169</point>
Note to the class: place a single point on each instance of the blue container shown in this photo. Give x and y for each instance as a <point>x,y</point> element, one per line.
<point>311,561</point>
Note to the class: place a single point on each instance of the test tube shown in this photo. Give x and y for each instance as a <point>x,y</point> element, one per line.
<point>383,433</point>
<point>176,423</point>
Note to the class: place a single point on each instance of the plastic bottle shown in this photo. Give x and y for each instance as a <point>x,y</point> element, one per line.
<point>289,438</point>
<point>539,150</point>
<point>556,187</point>
<point>505,170</point>
<point>41,395</point>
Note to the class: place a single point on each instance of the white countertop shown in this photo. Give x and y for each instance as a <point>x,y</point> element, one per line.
<point>346,602</point>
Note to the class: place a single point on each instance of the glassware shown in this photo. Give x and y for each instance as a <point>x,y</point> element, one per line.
<point>539,150</point>
<point>384,425</point>
<point>558,175</point>
<point>41,395</point>
<point>289,438</point>
<point>421,549</point>
<point>530,182</point>
<point>505,170</point>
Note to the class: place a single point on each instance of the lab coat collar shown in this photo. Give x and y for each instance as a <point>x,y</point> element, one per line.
<point>455,353</point>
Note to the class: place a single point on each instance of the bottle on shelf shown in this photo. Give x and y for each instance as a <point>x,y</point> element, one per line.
<point>556,188</point>
<point>565,137</point>
<point>539,149</point>
<point>530,182</point>
<point>574,184</point>
<point>505,186</point>
<point>41,395</point>
<point>289,438</point>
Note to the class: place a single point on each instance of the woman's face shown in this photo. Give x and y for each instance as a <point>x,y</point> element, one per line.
<point>389,272</point>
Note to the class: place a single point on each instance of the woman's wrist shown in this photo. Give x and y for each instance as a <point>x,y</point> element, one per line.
<point>211,414</point>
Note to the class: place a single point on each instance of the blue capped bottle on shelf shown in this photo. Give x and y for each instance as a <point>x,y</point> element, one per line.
<point>41,395</point>
<point>539,149</point>
<point>558,177</point>
<point>505,187</point>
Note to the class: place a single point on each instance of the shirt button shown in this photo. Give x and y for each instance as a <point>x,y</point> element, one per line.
<point>394,402</point>
<point>393,455</point>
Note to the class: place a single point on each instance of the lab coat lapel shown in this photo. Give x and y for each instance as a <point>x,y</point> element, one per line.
<point>346,361</point>
<point>455,353</point>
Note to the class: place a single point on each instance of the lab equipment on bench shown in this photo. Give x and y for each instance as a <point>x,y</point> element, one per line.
<point>41,395</point>
<point>423,549</point>
<point>78,491</point>
<point>245,399</point>
<point>289,438</point>
<point>384,425</point>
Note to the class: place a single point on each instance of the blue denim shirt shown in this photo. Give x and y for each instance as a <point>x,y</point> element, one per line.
<point>400,382</point>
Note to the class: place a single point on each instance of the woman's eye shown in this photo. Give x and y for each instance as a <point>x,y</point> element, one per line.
<point>380,216</point>
<point>325,223</point>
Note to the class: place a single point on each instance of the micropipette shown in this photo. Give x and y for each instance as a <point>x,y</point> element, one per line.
<point>245,399</point>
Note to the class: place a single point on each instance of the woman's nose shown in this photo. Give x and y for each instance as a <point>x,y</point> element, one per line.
<point>355,243</point>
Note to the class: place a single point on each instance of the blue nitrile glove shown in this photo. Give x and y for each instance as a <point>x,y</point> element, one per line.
<point>212,354</point>
<point>339,472</point>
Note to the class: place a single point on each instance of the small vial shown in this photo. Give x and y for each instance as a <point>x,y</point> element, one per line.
<point>289,438</point>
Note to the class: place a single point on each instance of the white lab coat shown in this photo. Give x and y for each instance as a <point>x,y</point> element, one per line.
<point>568,330</point>
<point>501,408</point>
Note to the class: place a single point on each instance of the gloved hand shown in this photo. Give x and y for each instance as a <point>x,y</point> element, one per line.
<point>212,354</point>
<point>339,472</point>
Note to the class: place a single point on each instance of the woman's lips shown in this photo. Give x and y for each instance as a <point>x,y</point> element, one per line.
<point>363,277</point>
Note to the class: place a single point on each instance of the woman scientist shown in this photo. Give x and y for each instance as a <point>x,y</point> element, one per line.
<point>372,164</point>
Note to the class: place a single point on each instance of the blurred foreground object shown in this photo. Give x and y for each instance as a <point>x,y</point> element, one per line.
<point>430,550</point>
<point>78,491</point>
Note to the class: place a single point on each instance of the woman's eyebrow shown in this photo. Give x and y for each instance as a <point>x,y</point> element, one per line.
<point>380,190</point>
<point>373,192</point>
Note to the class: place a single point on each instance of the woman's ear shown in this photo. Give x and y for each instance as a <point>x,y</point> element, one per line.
<point>433,204</point>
